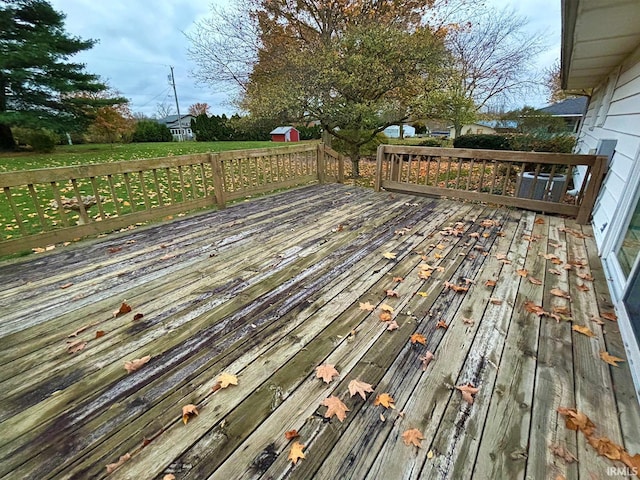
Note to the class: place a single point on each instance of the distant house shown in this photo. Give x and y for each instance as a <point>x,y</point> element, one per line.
<point>571,110</point>
<point>393,131</point>
<point>285,134</point>
<point>485,127</point>
<point>180,129</point>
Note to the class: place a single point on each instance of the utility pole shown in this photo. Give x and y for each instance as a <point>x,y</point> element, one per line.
<point>175,94</point>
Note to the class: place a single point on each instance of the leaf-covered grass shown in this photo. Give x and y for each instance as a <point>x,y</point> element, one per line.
<point>66,155</point>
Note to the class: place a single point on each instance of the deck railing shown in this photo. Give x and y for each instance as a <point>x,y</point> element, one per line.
<point>53,205</point>
<point>548,182</point>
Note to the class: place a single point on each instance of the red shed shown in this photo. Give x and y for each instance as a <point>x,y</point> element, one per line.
<point>285,134</point>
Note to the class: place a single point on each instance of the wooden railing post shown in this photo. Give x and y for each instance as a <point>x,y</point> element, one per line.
<point>379,161</point>
<point>218,179</point>
<point>322,167</point>
<point>395,168</point>
<point>340,168</point>
<point>593,188</point>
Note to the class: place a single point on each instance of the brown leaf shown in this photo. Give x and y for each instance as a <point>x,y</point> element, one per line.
<point>490,283</point>
<point>367,307</point>
<point>426,359</point>
<point>412,437</point>
<point>533,308</point>
<point>495,301</point>
<point>522,272</point>
<point>225,379</point>
<point>385,400</point>
<point>358,387</point>
<point>631,461</point>
<point>124,308</point>
<point>326,372</point>
<point>468,391</point>
<point>188,411</point>
<point>609,316</point>
<point>610,359</point>
<point>583,330</point>
<point>100,333</point>
<point>66,285</point>
<point>534,280</point>
<point>582,287</point>
<point>114,249</point>
<point>296,452</point>
<point>554,271</point>
<point>398,279</point>
<point>605,447</point>
<point>335,407</point>
<point>418,338</point>
<point>539,221</point>
<point>455,288</point>
<point>393,325</point>
<point>385,317</point>
<point>559,293</point>
<point>291,434</point>
<point>112,466</point>
<point>391,293</point>
<point>138,316</point>
<point>169,476</point>
<point>560,451</point>
<point>468,321</point>
<point>474,235</point>
<point>76,346</point>
<point>586,276</point>
<point>133,365</point>
<point>441,324</point>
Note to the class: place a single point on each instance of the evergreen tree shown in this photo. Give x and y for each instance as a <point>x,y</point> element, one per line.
<point>39,86</point>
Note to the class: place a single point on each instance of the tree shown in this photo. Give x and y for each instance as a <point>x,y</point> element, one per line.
<point>37,80</point>
<point>113,123</point>
<point>164,109</point>
<point>493,59</point>
<point>553,84</point>
<point>355,66</point>
<point>147,130</point>
<point>199,109</point>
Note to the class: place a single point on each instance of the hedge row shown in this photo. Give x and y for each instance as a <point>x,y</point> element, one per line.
<point>560,143</point>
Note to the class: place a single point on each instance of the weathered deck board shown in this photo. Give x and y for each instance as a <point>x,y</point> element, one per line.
<point>268,290</point>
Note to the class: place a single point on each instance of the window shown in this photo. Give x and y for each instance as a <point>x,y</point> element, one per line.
<point>605,100</point>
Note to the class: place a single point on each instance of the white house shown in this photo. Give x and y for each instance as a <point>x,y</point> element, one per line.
<point>393,131</point>
<point>601,58</point>
<point>180,127</point>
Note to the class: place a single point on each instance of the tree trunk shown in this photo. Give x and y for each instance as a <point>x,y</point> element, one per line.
<point>458,128</point>
<point>6,138</point>
<point>354,153</point>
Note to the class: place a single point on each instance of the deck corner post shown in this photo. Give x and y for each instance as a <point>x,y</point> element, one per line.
<point>593,188</point>
<point>218,180</point>
<point>322,167</point>
<point>341,168</point>
<point>379,160</point>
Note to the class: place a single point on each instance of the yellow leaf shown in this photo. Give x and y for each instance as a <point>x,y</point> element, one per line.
<point>412,437</point>
<point>583,330</point>
<point>225,379</point>
<point>385,400</point>
<point>610,359</point>
<point>187,411</point>
<point>296,452</point>
<point>389,255</point>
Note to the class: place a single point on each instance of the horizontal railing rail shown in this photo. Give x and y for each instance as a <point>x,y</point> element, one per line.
<point>548,182</point>
<point>53,205</point>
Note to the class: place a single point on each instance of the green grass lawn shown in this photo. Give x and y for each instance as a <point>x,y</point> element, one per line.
<point>66,155</point>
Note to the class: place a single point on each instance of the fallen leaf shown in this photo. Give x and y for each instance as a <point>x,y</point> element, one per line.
<point>326,372</point>
<point>455,288</point>
<point>561,310</point>
<point>225,379</point>
<point>533,308</point>
<point>422,294</point>
<point>66,285</point>
<point>124,308</point>
<point>291,434</point>
<point>559,293</point>
<point>398,279</point>
<point>133,365</point>
<point>112,466</point>
<point>386,308</point>
<point>490,283</point>
<point>335,407</point>
<point>560,451</point>
<point>385,317</point>
<point>609,316</point>
<point>610,359</point>
<point>100,333</point>
<point>522,272</point>
<point>391,293</point>
<point>382,418</point>
<point>605,447</point>
<point>430,454</point>
<point>582,287</point>
<point>114,249</point>
<point>535,281</point>
<point>389,255</point>
<point>188,411</point>
<point>426,359</point>
<point>468,391</point>
<point>412,437</point>
<point>554,271</point>
<point>367,307</point>
<point>418,338</point>
<point>359,387</point>
<point>393,325</point>
<point>495,301</point>
<point>586,276</point>
<point>441,324</point>
<point>138,316</point>
<point>385,400</point>
<point>474,235</point>
<point>539,221</point>
<point>296,452</point>
<point>76,346</point>
<point>437,255</point>
<point>468,321</point>
<point>169,476</point>
<point>583,330</point>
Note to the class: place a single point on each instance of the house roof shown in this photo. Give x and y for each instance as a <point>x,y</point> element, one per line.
<point>172,118</point>
<point>281,130</point>
<point>570,107</point>
<point>597,35</point>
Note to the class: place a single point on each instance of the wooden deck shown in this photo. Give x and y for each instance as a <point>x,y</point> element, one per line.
<point>270,289</point>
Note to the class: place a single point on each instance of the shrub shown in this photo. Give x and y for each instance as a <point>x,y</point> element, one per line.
<point>42,141</point>
<point>483,141</point>
<point>151,131</point>
<point>432,142</point>
<point>310,133</point>
<point>554,143</point>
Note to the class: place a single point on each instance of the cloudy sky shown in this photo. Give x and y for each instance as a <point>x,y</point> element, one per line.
<point>140,39</point>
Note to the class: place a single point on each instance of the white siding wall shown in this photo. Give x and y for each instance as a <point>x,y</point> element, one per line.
<point>621,122</point>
